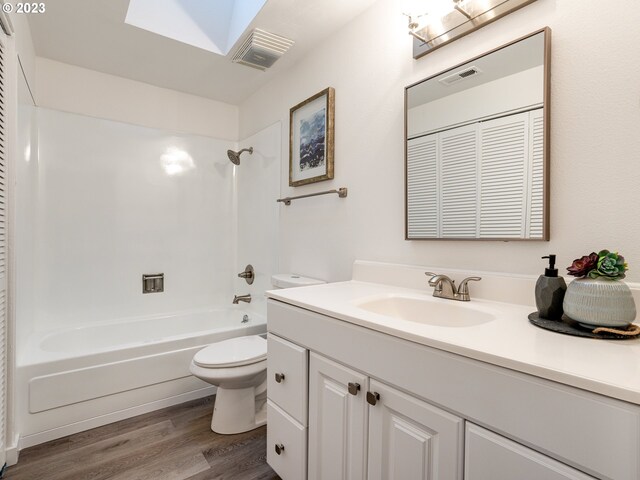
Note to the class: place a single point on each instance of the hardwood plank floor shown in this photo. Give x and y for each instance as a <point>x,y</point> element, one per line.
<point>175,443</point>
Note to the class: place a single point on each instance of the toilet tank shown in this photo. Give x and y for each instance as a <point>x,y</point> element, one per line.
<point>289,280</point>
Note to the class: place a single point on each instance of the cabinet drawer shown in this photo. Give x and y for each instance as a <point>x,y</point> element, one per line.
<point>489,455</point>
<point>286,444</point>
<point>287,377</point>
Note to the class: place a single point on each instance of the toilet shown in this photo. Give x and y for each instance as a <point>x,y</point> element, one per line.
<point>238,367</point>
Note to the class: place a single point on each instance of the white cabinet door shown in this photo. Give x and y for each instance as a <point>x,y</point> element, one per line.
<point>412,440</point>
<point>491,456</point>
<point>337,421</point>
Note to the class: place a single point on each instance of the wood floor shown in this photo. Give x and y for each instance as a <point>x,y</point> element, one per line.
<point>175,443</point>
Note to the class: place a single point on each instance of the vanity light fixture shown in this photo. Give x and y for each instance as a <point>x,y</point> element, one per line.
<point>421,13</point>
<point>448,20</point>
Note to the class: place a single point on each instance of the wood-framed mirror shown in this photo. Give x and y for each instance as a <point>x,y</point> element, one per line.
<point>477,147</point>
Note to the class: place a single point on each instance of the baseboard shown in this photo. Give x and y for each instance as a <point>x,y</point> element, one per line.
<point>12,451</point>
<point>42,437</point>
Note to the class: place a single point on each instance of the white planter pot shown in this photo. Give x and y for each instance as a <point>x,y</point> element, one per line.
<point>599,302</point>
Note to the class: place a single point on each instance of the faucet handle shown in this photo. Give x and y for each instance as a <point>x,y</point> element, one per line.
<point>463,289</point>
<point>437,286</point>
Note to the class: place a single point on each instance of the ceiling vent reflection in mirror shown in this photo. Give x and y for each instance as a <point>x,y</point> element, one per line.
<point>461,75</point>
<point>261,49</point>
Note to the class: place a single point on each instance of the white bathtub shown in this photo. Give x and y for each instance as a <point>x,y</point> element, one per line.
<point>78,378</point>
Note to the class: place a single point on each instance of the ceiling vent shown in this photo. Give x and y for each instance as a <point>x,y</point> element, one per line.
<point>261,49</point>
<point>461,75</point>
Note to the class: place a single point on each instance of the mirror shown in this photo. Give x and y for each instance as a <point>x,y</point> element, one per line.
<point>477,147</point>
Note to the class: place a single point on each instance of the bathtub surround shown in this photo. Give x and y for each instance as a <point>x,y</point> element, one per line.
<point>258,186</point>
<point>115,201</point>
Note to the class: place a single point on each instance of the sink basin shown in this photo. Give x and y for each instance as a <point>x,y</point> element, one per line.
<point>427,311</point>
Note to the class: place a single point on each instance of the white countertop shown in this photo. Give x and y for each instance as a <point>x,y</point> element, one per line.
<point>607,367</point>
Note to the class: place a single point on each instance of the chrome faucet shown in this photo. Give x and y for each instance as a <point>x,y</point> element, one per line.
<point>444,287</point>
<point>241,298</point>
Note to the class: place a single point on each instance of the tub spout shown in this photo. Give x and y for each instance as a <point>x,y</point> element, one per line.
<point>241,298</point>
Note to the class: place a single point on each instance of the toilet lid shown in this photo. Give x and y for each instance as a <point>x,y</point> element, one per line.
<point>233,352</point>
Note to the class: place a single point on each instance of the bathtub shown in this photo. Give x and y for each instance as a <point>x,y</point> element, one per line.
<point>73,379</point>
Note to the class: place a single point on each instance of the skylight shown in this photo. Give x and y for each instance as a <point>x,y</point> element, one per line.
<point>211,25</point>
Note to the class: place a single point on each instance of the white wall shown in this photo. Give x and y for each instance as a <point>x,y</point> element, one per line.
<point>78,90</point>
<point>595,113</point>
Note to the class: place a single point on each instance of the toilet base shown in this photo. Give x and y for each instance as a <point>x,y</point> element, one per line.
<point>238,410</point>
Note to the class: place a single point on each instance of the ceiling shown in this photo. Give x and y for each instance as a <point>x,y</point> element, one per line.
<point>92,34</point>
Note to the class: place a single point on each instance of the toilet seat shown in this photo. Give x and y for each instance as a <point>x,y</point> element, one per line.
<point>234,352</point>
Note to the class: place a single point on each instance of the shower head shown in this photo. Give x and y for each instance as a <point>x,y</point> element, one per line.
<point>235,156</point>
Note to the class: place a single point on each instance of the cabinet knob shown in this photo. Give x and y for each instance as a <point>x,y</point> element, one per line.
<point>279,448</point>
<point>354,388</point>
<point>372,398</point>
<point>279,377</point>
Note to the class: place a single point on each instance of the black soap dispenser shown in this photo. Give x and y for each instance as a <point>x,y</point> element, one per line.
<point>550,291</point>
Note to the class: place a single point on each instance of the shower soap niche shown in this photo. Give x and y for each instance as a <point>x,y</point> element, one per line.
<point>153,283</point>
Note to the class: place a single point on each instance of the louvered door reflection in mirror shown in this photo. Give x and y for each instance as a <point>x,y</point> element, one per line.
<point>477,147</point>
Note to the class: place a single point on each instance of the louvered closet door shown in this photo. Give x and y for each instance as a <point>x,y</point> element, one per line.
<point>459,182</point>
<point>536,188</point>
<point>422,187</point>
<point>504,147</point>
<point>3,243</point>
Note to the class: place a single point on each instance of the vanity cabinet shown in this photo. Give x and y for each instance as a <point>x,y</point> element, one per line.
<point>436,415</point>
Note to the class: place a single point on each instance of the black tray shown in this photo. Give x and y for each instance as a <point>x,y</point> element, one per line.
<point>571,327</point>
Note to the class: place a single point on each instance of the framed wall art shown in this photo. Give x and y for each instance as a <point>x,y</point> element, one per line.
<point>311,139</point>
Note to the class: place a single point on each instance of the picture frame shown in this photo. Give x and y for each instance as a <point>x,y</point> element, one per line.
<point>311,139</point>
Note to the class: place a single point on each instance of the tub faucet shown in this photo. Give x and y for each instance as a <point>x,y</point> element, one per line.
<point>444,287</point>
<point>241,298</point>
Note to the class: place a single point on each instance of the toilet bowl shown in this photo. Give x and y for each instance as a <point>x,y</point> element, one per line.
<point>238,367</point>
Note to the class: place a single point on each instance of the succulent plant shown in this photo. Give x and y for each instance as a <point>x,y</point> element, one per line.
<point>583,265</point>
<point>610,265</point>
<point>604,264</point>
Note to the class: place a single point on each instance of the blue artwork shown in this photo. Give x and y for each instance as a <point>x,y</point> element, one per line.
<point>312,135</point>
